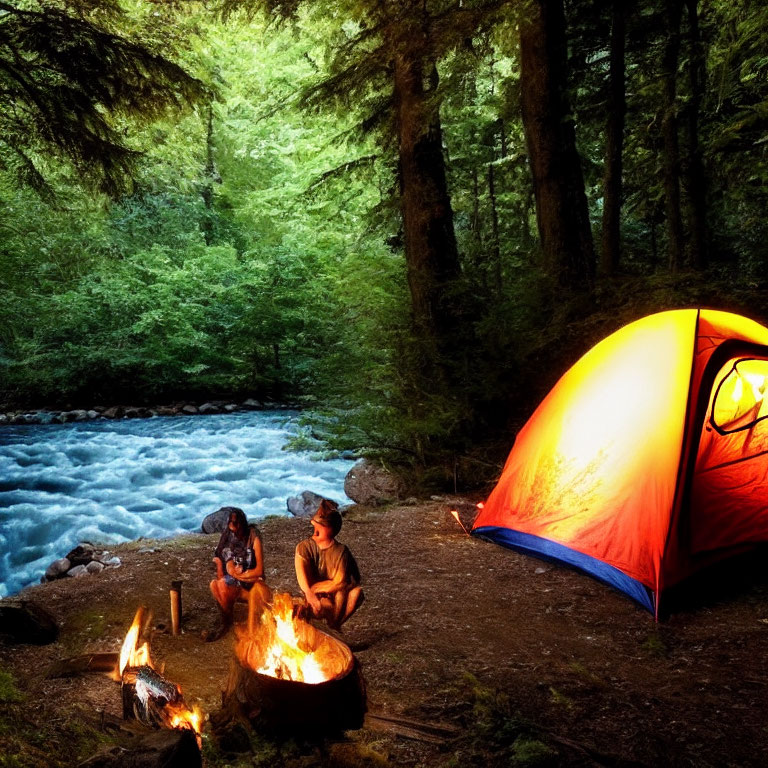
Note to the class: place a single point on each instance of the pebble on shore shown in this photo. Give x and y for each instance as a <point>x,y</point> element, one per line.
<point>44,416</point>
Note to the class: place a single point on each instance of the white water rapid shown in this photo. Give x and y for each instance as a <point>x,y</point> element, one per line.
<point>113,481</point>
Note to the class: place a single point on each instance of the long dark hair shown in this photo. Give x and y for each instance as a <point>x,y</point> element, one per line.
<point>241,521</point>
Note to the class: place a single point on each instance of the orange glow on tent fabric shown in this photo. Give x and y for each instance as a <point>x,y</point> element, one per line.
<point>593,477</point>
<point>595,467</point>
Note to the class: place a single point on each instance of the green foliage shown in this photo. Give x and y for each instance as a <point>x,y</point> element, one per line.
<point>654,645</point>
<point>46,741</point>
<point>496,735</point>
<point>560,699</point>
<point>175,298</point>
<point>68,78</point>
<point>8,691</point>
<point>532,752</point>
<point>261,252</point>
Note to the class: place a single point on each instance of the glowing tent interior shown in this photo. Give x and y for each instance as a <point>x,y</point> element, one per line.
<point>649,457</point>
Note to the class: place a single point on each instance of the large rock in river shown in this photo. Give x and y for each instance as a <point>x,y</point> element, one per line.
<point>305,504</point>
<point>370,483</point>
<point>82,554</point>
<point>217,521</point>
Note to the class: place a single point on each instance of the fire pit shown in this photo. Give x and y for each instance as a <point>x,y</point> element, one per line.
<point>290,677</point>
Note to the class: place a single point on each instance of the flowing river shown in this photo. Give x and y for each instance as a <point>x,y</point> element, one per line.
<point>113,481</point>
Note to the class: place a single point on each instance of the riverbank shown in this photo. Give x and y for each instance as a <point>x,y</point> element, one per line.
<point>521,662</point>
<point>109,481</point>
<point>180,408</point>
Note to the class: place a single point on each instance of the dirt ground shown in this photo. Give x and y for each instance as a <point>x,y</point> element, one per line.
<point>454,631</point>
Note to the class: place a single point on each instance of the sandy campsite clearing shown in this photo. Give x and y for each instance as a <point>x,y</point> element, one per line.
<point>516,661</point>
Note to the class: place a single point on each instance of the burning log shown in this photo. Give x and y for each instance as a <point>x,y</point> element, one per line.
<point>147,696</point>
<point>290,677</point>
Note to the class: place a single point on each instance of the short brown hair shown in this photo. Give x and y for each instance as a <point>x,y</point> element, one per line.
<point>328,515</point>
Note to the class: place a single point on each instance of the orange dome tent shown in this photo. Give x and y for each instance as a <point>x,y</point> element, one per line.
<point>648,459</point>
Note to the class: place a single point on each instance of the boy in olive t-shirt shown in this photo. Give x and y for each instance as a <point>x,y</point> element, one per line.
<point>326,570</point>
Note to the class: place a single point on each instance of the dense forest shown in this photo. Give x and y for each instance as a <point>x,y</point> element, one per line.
<point>409,217</point>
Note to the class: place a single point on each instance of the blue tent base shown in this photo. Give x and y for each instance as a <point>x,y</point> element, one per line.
<point>550,550</point>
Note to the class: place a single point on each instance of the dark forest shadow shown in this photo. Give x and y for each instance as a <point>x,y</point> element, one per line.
<point>739,578</point>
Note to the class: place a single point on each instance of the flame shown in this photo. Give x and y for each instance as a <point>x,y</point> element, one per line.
<point>458,520</point>
<point>281,646</point>
<point>132,654</point>
<point>183,718</point>
<point>175,715</point>
<point>284,656</point>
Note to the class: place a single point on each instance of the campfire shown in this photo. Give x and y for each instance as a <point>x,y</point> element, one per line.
<point>279,645</point>
<point>147,695</point>
<point>291,675</point>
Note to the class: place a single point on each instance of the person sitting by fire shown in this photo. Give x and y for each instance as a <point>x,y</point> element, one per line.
<point>326,570</point>
<point>239,565</point>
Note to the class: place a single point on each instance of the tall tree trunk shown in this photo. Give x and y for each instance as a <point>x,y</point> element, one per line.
<point>210,174</point>
<point>614,143</point>
<point>694,167</point>
<point>474,223</point>
<point>558,184</point>
<point>495,245</point>
<point>527,206</point>
<point>670,135</point>
<point>431,252</point>
<point>475,226</point>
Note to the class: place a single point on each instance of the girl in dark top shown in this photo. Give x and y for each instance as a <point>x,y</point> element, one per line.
<point>239,565</point>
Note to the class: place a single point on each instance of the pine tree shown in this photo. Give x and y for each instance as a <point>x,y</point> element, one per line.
<point>68,81</point>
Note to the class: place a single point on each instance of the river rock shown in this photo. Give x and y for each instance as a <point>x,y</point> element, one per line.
<point>115,412</point>
<point>23,621</point>
<point>164,410</point>
<point>113,562</point>
<point>217,521</point>
<point>137,412</point>
<point>94,567</point>
<point>82,554</point>
<point>371,483</point>
<point>190,409</point>
<point>57,569</point>
<point>252,405</point>
<point>305,504</point>
<point>231,407</point>
<point>209,408</point>
<point>78,572</point>
<point>92,414</point>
